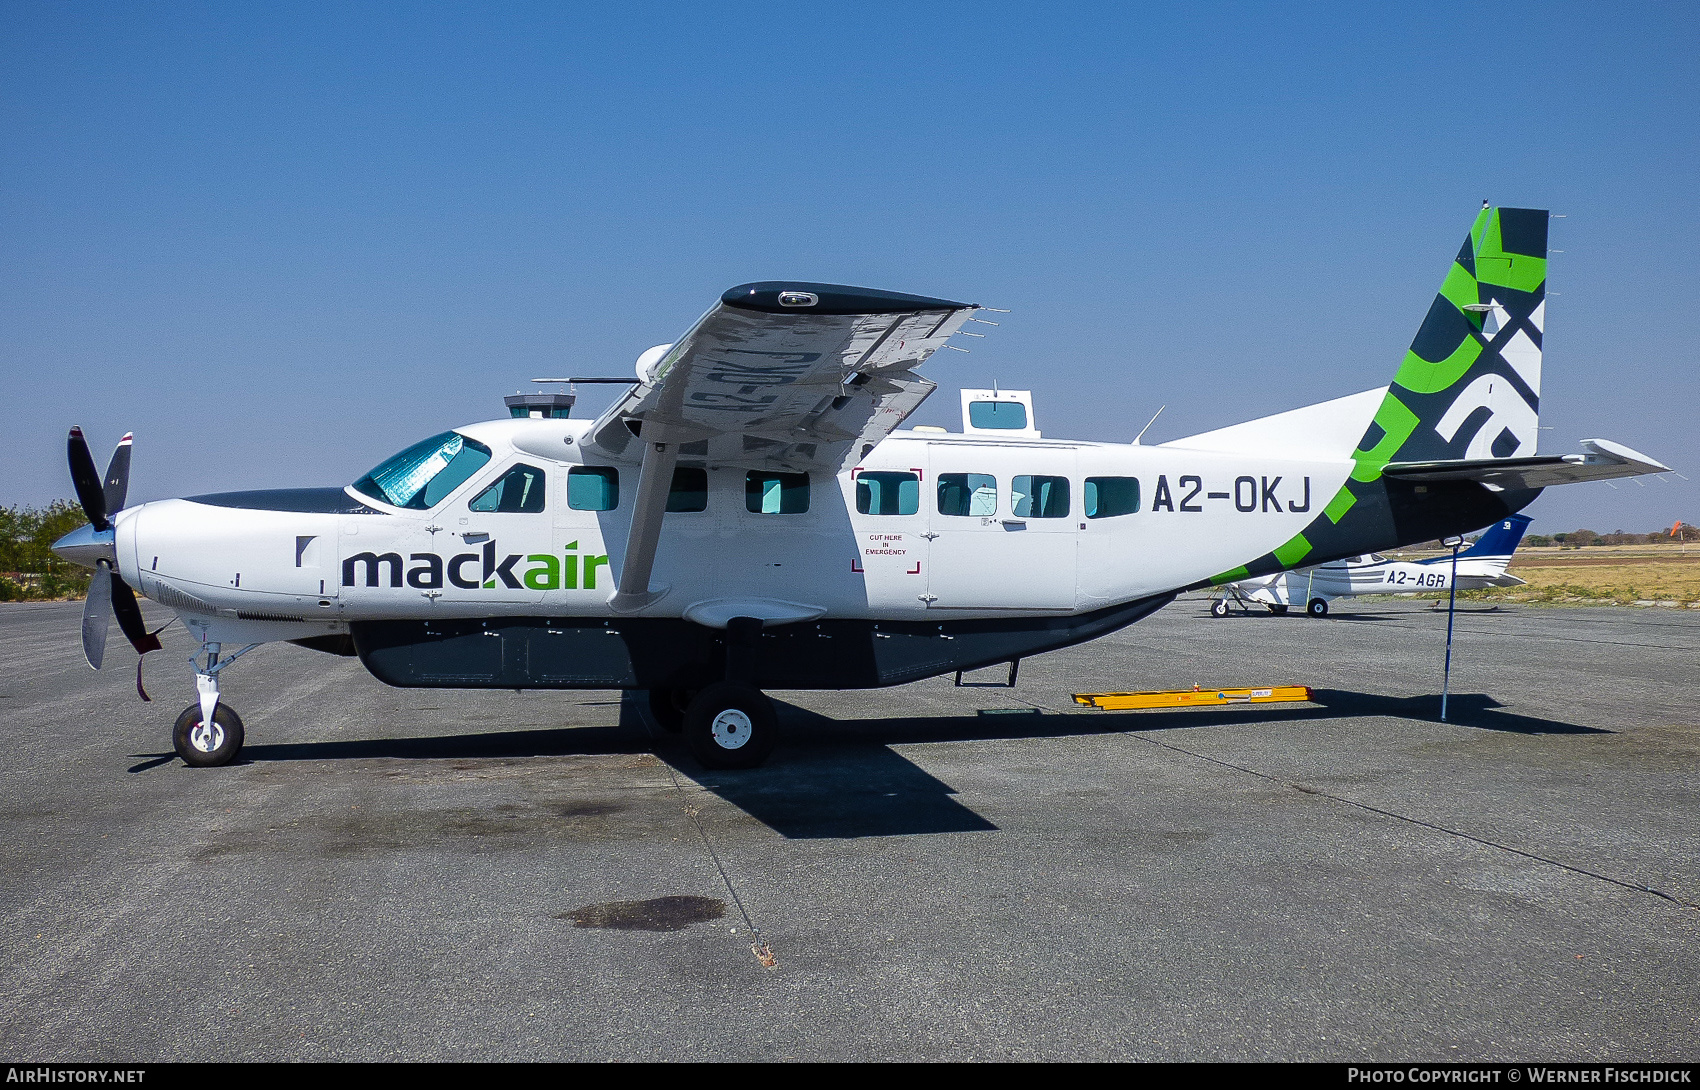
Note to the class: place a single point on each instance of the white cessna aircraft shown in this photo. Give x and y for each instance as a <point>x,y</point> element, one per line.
<point>1482,565</point>
<point>748,516</point>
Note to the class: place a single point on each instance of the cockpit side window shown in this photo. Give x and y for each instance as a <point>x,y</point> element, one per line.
<point>518,491</point>
<point>424,474</point>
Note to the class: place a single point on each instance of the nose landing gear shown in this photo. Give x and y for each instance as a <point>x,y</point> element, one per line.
<point>209,733</point>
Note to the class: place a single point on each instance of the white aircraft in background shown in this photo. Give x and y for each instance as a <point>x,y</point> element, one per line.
<point>748,516</point>
<point>1481,565</point>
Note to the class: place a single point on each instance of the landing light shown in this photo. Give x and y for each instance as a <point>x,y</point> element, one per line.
<point>798,298</point>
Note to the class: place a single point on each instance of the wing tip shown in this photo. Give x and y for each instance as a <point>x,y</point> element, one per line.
<point>802,297</point>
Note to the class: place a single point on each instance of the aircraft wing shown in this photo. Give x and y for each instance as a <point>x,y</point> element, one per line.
<point>1604,460</point>
<point>778,376</point>
<point>786,376</point>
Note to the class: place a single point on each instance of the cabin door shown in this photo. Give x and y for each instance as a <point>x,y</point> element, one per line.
<point>1002,519</point>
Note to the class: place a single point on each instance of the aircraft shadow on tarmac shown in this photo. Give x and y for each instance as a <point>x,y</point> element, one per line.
<point>840,778</point>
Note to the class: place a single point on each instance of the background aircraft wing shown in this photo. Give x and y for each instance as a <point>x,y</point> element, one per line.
<point>1603,461</point>
<point>785,376</point>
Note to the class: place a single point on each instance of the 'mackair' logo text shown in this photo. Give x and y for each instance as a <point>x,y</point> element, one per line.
<point>546,572</point>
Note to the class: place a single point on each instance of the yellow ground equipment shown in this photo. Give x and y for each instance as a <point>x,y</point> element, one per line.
<point>1193,698</point>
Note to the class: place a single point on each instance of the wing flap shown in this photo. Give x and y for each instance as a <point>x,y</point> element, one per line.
<point>1603,461</point>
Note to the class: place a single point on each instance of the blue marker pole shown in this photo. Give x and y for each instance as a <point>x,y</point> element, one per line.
<point>1451,612</point>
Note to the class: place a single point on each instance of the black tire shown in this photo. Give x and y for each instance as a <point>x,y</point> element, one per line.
<point>729,725</point>
<point>1279,611</point>
<point>1219,608</point>
<point>225,719</point>
<point>1317,608</point>
<point>667,708</point>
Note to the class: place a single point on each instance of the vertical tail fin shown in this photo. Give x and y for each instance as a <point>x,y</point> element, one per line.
<point>1501,539</point>
<point>1470,386</point>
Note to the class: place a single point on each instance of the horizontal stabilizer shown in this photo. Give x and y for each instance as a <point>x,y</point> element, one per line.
<point>1603,461</point>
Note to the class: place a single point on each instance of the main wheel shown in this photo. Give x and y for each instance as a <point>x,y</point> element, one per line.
<point>667,708</point>
<point>1318,607</point>
<point>1279,611</point>
<point>205,747</point>
<point>729,725</point>
<point>1219,608</point>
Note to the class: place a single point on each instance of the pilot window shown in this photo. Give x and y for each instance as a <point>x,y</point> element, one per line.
<point>424,474</point>
<point>776,493</point>
<point>879,493</point>
<point>1107,497</point>
<point>689,491</point>
<point>593,488</point>
<point>964,494</point>
<point>518,491</point>
<point>997,414</point>
<point>1039,497</point>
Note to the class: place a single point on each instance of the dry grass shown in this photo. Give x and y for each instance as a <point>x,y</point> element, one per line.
<point>1651,580</point>
<point>1599,574</point>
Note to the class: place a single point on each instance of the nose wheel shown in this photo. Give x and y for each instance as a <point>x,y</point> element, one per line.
<point>206,745</point>
<point>730,725</point>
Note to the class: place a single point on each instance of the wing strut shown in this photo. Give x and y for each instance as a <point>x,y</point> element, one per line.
<point>655,481</point>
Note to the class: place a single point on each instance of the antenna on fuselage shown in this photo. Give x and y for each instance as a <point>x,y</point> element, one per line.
<point>1148,424</point>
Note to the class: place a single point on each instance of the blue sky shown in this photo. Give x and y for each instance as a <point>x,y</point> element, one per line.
<point>280,241</point>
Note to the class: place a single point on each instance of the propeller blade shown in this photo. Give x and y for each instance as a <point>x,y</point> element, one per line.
<point>86,478</point>
<point>118,476</point>
<point>130,617</point>
<point>97,616</point>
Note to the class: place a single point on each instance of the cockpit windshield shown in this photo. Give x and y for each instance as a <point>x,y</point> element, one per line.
<point>420,476</point>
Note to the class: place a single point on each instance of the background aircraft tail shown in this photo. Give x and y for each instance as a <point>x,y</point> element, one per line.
<point>1501,539</point>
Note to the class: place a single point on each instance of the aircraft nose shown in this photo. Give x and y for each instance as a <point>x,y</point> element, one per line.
<point>85,545</point>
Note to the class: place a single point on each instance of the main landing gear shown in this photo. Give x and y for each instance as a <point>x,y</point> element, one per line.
<point>1318,607</point>
<point>209,733</point>
<point>731,723</point>
<point>727,725</point>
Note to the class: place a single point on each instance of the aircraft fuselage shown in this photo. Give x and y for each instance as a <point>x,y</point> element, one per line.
<point>1004,547</point>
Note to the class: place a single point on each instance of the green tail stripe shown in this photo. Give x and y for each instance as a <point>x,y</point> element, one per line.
<point>1396,423</point>
<point>1431,376</point>
<point>1460,288</point>
<point>1293,551</point>
<point>1496,265</point>
<point>1339,505</point>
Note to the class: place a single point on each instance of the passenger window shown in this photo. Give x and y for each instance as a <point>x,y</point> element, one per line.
<point>888,493</point>
<point>997,414</point>
<point>689,491</point>
<point>965,494</point>
<point>1107,497</point>
<point>1039,497</point>
<point>776,493</point>
<point>593,488</point>
<point>518,491</point>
